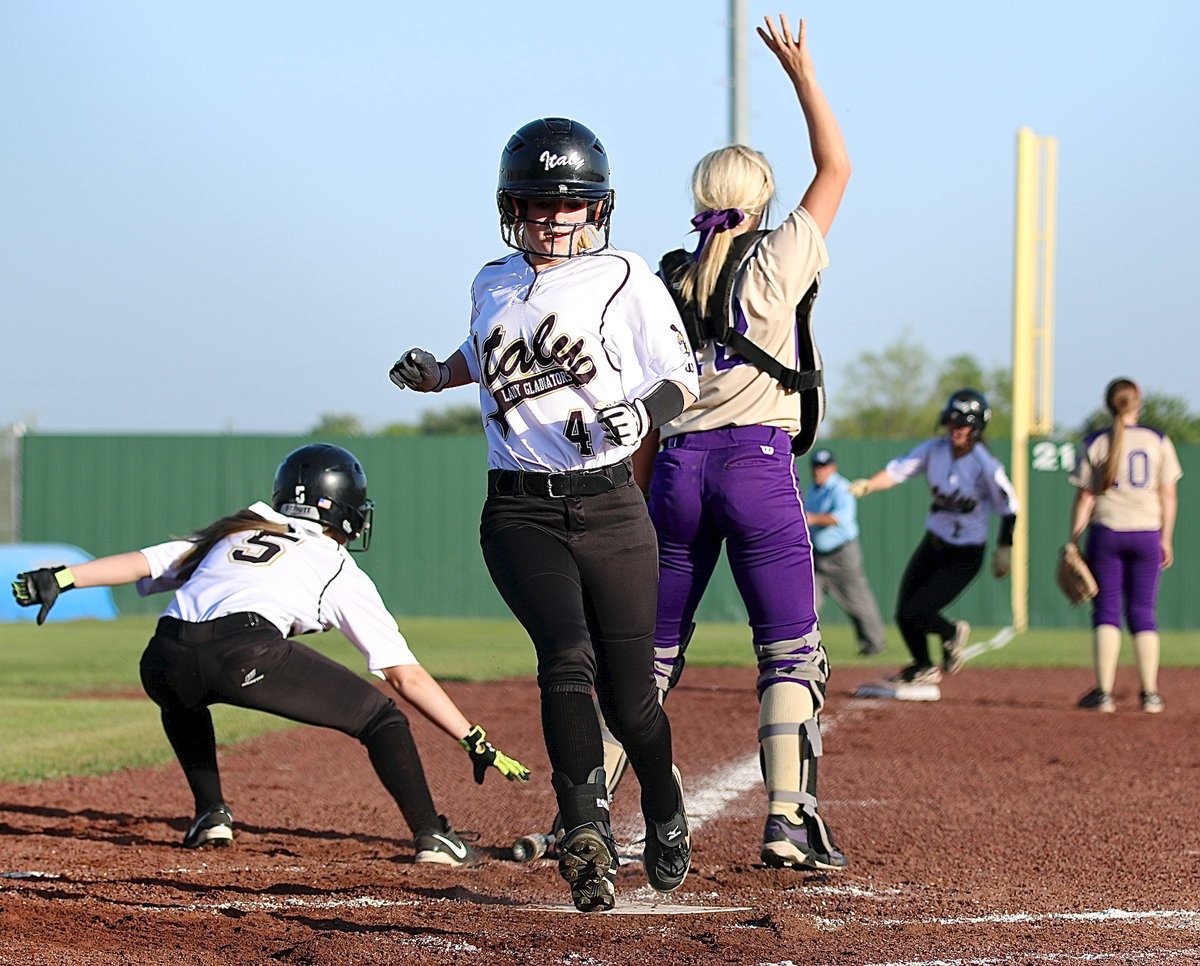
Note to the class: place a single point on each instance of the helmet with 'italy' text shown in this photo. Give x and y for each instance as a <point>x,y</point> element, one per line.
<point>554,158</point>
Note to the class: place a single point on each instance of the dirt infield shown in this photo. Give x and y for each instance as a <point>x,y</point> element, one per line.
<point>999,825</point>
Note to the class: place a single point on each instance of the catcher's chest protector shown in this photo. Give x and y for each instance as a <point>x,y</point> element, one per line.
<point>807,380</point>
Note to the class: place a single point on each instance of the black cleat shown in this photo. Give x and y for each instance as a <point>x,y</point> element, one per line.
<point>443,846</point>
<point>587,861</point>
<point>212,829</point>
<point>667,854</point>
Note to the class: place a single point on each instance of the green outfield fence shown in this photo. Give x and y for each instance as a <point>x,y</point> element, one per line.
<point>108,494</point>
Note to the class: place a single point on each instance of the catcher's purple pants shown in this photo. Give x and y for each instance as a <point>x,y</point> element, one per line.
<point>1127,566</point>
<point>736,486</point>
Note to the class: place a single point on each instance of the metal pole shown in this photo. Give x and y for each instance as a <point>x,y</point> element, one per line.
<point>739,113</point>
<point>1044,415</point>
<point>1024,290</point>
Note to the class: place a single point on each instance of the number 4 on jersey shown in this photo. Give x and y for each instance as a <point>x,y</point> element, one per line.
<point>576,430</point>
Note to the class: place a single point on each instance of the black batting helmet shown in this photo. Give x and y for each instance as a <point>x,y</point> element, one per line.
<point>326,484</point>
<point>967,408</point>
<point>554,157</point>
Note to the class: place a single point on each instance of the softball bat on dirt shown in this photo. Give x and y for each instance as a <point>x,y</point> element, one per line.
<point>530,847</point>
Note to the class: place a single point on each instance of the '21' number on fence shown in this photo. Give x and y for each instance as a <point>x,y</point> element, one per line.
<point>1050,457</point>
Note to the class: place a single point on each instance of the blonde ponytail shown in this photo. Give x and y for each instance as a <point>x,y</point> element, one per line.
<point>732,177</point>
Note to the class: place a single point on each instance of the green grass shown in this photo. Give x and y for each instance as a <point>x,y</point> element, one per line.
<point>71,702</point>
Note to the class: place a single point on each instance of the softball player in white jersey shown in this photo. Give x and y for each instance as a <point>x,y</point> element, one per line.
<point>243,586</point>
<point>967,483</point>
<point>579,352</point>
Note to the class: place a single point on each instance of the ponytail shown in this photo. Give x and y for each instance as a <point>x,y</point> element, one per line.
<point>732,177</point>
<point>204,540</point>
<point>1121,398</point>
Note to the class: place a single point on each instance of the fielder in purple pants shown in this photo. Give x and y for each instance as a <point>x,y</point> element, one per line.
<point>1126,498</point>
<point>735,486</point>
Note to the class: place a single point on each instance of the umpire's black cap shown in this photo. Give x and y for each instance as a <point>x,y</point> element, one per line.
<point>823,457</point>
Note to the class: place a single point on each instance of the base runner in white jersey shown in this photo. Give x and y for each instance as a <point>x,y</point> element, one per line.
<point>243,586</point>
<point>967,484</point>
<point>578,352</point>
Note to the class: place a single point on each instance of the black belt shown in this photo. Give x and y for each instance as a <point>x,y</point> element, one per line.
<point>577,483</point>
<point>209,630</point>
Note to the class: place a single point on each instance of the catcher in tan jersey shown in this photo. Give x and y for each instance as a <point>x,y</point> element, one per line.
<point>770,283</point>
<point>726,475</point>
<point>1126,499</point>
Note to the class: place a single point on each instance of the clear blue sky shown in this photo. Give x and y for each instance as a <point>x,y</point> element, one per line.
<point>233,216</point>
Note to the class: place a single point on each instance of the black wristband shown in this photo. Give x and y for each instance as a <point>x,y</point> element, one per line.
<point>1006,530</point>
<point>663,403</point>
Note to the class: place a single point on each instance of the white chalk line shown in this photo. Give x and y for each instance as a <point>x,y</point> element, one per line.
<point>709,796</point>
<point>1171,918</point>
<point>1156,956</point>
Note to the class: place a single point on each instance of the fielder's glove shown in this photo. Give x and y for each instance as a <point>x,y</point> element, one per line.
<point>42,587</point>
<point>420,370</point>
<point>1073,576</point>
<point>484,754</point>
<point>1001,561</point>
<point>624,423</point>
<point>860,488</point>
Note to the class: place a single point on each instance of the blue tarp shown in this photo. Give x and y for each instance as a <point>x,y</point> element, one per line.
<point>15,558</point>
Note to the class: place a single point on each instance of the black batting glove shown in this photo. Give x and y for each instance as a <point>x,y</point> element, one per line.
<point>484,755</point>
<point>419,370</point>
<point>42,587</point>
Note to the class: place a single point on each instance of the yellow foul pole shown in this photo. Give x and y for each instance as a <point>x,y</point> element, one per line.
<point>1033,353</point>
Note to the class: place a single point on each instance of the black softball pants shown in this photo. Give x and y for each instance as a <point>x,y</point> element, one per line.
<point>187,667</point>
<point>936,574</point>
<point>581,575</point>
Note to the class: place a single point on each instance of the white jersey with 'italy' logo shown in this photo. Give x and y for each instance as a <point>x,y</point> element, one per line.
<point>548,348</point>
<point>302,581</point>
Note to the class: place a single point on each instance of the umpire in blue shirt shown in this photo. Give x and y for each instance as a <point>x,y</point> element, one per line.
<point>832,512</point>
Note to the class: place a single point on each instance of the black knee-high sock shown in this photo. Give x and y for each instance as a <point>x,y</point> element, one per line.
<point>195,745</point>
<point>396,761</point>
<point>651,761</point>
<point>572,734</point>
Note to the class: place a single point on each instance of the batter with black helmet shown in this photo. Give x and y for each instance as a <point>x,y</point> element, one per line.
<point>967,483</point>
<point>244,585</point>
<point>579,352</point>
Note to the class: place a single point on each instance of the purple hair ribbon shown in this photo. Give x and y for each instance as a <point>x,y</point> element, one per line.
<point>709,223</point>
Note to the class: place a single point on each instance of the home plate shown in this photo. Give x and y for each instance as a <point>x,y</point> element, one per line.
<point>899,691</point>
<point>637,909</point>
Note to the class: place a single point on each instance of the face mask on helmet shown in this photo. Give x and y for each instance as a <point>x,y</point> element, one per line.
<point>550,161</point>
<point>327,485</point>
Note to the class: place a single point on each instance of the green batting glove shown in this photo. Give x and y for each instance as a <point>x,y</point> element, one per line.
<point>484,754</point>
<point>42,587</point>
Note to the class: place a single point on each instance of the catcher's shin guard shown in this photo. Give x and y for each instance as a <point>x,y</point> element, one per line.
<point>615,759</point>
<point>668,663</point>
<point>789,737</point>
